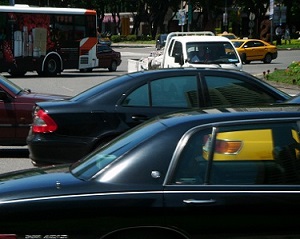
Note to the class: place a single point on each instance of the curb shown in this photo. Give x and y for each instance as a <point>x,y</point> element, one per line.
<point>131,45</point>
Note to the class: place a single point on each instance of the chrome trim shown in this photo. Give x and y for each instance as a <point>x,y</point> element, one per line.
<point>149,192</point>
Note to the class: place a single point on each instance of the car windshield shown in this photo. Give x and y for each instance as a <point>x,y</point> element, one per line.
<point>211,52</point>
<point>10,85</point>
<point>229,36</point>
<point>100,159</point>
<point>237,43</point>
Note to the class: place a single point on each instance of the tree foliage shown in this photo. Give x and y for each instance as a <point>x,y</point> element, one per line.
<point>206,13</point>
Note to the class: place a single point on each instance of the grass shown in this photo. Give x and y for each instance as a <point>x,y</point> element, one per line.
<point>295,44</point>
<point>291,75</point>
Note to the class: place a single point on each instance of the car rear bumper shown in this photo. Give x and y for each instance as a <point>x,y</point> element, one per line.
<point>58,150</point>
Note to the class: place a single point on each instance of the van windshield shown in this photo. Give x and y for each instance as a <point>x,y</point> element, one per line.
<point>211,52</point>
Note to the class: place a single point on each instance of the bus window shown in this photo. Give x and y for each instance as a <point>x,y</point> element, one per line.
<point>33,36</point>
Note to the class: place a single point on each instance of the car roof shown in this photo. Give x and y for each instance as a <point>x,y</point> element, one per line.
<point>240,40</point>
<point>215,115</point>
<point>185,69</point>
<point>185,39</point>
<point>247,39</point>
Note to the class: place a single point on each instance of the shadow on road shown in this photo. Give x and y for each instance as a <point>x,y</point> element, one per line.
<point>14,153</point>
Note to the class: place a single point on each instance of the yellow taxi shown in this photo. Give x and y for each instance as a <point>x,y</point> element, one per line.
<point>228,35</point>
<point>244,145</point>
<point>255,50</point>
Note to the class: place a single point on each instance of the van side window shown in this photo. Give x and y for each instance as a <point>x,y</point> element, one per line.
<point>177,48</point>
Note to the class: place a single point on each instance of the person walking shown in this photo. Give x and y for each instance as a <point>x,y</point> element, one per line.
<point>278,32</point>
<point>287,35</point>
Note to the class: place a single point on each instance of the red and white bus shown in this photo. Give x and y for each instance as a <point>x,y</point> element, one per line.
<point>47,40</point>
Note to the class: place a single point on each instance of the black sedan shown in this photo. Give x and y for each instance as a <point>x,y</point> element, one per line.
<point>66,131</point>
<point>294,100</point>
<point>16,105</point>
<point>190,174</point>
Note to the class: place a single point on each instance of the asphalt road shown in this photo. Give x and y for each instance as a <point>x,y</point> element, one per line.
<point>72,82</point>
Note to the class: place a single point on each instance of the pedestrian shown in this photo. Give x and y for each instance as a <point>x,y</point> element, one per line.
<point>278,32</point>
<point>287,35</point>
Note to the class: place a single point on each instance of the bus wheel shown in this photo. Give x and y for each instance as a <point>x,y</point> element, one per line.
<point>113,66</point>
<point>52,67</point>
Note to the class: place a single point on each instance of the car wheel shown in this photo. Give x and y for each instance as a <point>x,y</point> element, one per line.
<point>244,58</point>
<point>113,66</point>
<point>268,58</point>
<point>52,66</point>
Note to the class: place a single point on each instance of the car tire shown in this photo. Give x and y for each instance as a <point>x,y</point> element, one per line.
<point>244,58</point>
<point>268,58</point>
<point>113,66</point>
<point>52,66</point>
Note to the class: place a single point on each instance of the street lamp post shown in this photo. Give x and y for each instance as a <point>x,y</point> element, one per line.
<point>225,17</point>
<point>189,15</point>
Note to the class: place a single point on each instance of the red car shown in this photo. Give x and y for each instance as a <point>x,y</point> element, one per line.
<point>16,111</point>
<point>108,58</point>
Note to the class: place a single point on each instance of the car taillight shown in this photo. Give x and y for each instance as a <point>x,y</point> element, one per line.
<point>8,236</point>
<point>227,146</point>
<point>223,146</point>
<point>43,123</point>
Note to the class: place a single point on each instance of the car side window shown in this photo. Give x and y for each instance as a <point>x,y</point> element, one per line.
<point>191,167</point>
<point>235,155</point>
<point>177,92</point>
<point>103,49</point>
<point>240,157</point>
<point>258,44</point>
<point>230,91</point>
<point>139,97</point>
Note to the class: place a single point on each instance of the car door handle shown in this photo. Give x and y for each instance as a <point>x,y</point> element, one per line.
<point>140,117</point>
<point>194,201</point>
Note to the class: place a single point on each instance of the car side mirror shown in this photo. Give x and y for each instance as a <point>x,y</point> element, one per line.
<point>179,58</point>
